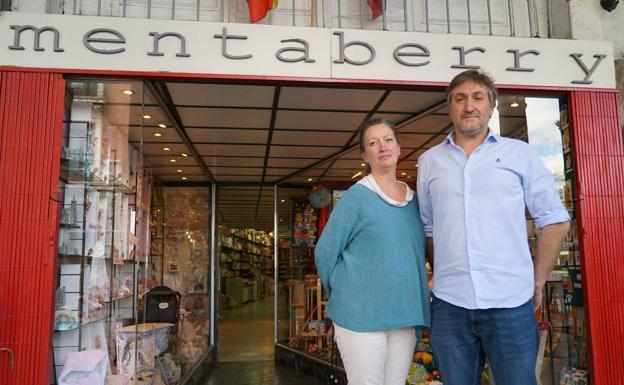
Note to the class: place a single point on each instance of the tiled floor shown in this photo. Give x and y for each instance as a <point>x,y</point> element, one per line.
<point>246,333</point>
<point>246,350</point>
<point>257,373</point>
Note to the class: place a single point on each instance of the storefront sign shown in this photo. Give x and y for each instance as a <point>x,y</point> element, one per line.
<point>121,44</point>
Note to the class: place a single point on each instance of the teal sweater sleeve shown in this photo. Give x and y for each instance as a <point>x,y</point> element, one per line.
<point>337,233</point>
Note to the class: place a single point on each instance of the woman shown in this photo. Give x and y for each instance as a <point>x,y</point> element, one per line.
<point>371,261</point>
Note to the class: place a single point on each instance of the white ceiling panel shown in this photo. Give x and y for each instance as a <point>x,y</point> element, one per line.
<point>329,98</point>
<point>220,117</point>
<point>230,150</point>
<point>158,149</point>
<point>221,95</point>
<point>429,123</point>
<point>166,161</point>
<point>311,138</point>
<point>320,152</point>
<point>166,135</point>
<point>220,171</point>
<point>291,162</point>
<point>230,161</point>
<point>319,121</point>
<point>215,135</point>
<point>411,101</point>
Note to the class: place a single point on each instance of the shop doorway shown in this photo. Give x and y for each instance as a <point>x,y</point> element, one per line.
<point>210,155</point>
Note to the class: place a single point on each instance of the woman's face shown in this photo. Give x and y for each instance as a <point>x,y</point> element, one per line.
<point>381,149</point>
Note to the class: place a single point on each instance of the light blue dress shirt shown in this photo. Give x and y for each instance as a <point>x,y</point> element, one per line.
<point>474,208</point>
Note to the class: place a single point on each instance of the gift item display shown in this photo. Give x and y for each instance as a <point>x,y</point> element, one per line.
<point>133,256</point>
<point>102,240</point>
<point>246,258</point>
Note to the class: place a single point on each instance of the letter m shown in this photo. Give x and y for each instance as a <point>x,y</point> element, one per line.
<point>37,31</point>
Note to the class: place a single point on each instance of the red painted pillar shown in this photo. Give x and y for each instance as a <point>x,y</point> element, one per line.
<point>599,160</point>
<point>31,110</point>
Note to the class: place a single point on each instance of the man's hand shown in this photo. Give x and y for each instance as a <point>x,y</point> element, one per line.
<point>538,295</point>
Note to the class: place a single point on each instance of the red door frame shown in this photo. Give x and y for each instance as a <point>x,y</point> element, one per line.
<point>31,107</point>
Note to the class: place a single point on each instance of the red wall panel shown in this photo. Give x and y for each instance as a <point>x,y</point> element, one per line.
<point>599,159</point>
<point>31,107</point>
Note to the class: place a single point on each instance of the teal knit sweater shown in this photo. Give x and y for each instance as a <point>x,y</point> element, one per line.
<point>371,260</point>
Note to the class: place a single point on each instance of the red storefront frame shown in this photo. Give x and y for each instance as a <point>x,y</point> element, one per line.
<point>31,105</point>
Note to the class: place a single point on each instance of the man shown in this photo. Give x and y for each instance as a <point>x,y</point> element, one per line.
<point>472,190</point>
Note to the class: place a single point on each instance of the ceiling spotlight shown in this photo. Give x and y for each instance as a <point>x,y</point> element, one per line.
<point>162,125</point>
<point>309,179</point>
<point>146,116</point>
<point>356,174</point>
<point>127,92</point>
<point>184,178</point>
<point>166,149</point>
<point>172,160</point>
<point>403,173</point>
<point>178,170</point>
<point>281,220</point>
<point>409,177</point>
<point>514,104</point>
<point>362,164</point>
<point>184,154</point>
<point>283,200</point>
<point>157,134</point>
<point>416,165</point>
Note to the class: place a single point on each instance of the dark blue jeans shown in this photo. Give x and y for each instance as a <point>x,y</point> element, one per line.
<point>463,338</point>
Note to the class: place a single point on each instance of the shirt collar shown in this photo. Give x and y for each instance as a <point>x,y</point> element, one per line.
<point>450,138</point>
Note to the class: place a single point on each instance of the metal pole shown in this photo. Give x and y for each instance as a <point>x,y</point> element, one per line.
<point>469,21</point>
<point>570,20</point>
<point>125,5</point>
<point>222,11</point>
<point>489,9</point>
<point>149,9</point>
<point>383,14</point>
<point>530,10</point>
<point>512,30</point>
<point>214,292</point>
<point>99,8</point>
<point>339,16</point>
<point>361,14</point>
<point>197,11</point>
<point>405,14</point>
<point>549,11</point>
<point>427,15</point>
<point>74,7</point>
<point>172,9</point>
<point>448,17</point>
<point>323,4</point>
<point>275,263</point>
<point>293,12</point>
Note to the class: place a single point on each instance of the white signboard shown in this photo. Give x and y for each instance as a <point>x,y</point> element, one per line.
<point>186,47</point>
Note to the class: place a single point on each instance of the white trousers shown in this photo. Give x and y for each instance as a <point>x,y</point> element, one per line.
<point>376,358</point>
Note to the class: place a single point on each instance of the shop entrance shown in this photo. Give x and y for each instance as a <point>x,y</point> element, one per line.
<point>174,184</point>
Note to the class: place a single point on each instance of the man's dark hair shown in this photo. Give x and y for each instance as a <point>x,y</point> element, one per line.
<point>373,122</point>
<point>478,77</point>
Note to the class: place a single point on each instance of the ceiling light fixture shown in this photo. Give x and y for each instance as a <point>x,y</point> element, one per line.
<point>362,164</point>
<point>166,149</point>
<point>184,154</point>
<point>146,116</point>
<point>184,178</point>
<point>162,125</point>
<point>514,104</point>
<point>309,179</point>
<point>356,174</point>
<point>178,170</point>
<point>127,92</point>
<point>157,134</point>
<point>416,165</point>
<point>403,173</point>
<point>283,200</point>
<point>172,160</point>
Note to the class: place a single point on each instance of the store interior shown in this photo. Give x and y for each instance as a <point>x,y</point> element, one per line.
<point>167,183</point>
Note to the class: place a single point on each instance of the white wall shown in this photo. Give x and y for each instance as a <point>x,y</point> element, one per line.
<point>591,22</point>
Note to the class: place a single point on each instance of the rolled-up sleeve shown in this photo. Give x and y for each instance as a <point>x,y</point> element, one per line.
<point>424,200</point>
<point>540,195</point>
